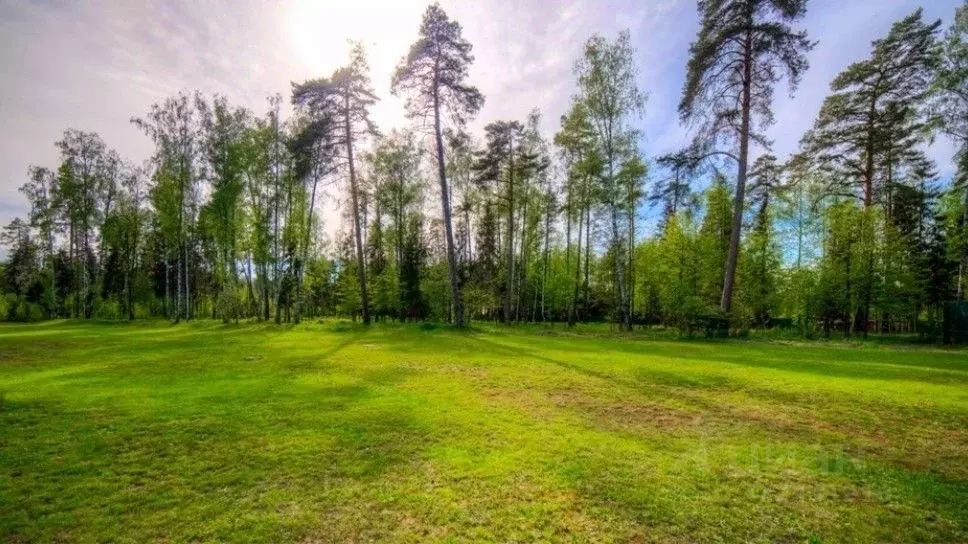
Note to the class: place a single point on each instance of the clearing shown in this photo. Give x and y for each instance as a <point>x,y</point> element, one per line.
<point>328,432</point>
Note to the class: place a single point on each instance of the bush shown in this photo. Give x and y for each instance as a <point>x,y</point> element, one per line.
<point>228,306</point>
<point>6,302</point>
<point>109,309</point>
<point>35,312</point>
<point>18,308</point>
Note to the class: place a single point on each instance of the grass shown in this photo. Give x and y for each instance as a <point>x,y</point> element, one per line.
<point>334,433</point>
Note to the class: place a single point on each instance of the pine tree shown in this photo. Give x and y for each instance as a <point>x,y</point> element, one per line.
<point>871,125</point>
<point>505,161</point>
<point>740,52</point>
<point>346,98</point>
<point>433,76</point>
<point>674,191</point>
<point>872,101</point>
<point>949,111</point>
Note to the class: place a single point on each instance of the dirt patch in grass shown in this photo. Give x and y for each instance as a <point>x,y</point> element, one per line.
<point>604,413</point>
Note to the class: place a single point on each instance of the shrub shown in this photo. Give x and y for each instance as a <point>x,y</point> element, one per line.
<point>109,309</point>
<point>18,308</point>
<point>228,306</point>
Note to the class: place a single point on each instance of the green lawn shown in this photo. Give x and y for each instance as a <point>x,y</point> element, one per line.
<point>332,433</point>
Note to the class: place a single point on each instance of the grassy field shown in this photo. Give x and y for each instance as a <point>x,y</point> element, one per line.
<point>332,433</point>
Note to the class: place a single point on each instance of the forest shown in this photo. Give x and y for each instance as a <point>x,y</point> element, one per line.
<point>856,233</point>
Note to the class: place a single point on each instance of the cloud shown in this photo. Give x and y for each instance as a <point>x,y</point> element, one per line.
<point>92,65</point>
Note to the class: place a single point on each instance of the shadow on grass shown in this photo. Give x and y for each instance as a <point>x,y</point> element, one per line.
<point>930,366</point>
<point>614,483</point>
<point>224,454</point>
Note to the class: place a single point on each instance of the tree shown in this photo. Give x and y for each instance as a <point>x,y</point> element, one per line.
<point>433,76</point>
<point>313,147</point>
<point>631,177</point>
<point>949,99</point>
<point>759,268</point>
<point>577,144</point>
<point>174,126</point>
<point>41,191</point>
<point>346,97</point>
<point>222,149</point>
<point>674,191</point>
<point>505,161</point>
<point>86,190</point>
<point>460,170</point>
<point>873,123</point>
<point>122,238</point>
<point>607,86</point>
<point>712,242</point>
<point>873,104</point>
<point>534,180</point>
<point>765,184</point>
<point>256,144</point>
<point>740,53</point>
<point>22,270</point>
<point>394,164</point>
<point>949,111</point>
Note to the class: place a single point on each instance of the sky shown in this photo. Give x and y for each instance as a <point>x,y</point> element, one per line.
<point>93,65</point>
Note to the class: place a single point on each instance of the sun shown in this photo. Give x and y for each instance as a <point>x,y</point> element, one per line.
<point>309,25</point>
<point>319,31</point>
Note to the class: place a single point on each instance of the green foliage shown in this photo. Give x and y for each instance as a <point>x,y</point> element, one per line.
<point>19,308</point>
<point>611,99</point>
<point>874,119</point>
<point>713,242</point>
<point>224,220</point>
<point>733,35</point>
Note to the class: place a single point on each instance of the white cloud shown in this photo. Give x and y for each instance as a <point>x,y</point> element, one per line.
<point>92,65</point>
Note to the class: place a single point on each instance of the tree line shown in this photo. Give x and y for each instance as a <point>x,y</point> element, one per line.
<point>853,233</point>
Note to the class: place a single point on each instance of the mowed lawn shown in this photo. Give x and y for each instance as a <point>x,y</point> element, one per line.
<point>332,433</point>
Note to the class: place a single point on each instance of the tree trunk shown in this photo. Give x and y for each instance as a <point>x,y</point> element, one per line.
<point>744,150</point>
<point>265,291</point>
<point>547,249</point>
<point>276,197</point>
<point>631,262</point>
<point>127,292</point>
<point>522,274</point>
<point>624,321</point>
<point>133,265</point>
<point>509,288</point>
<point>869,276</point>
<point>467,227</point>
<point>588,254</point>
<point>964,251</point>
<point>301,267</point>
<point>456,302</point>
<point>167,289</point>
<point>250,298</point>
<point>53,277</point>
<point>358,228</point>
<point>178,290</point>
<point>88,297</point>
<point>72,258</point>
<point>573,312</point>
<point>848,319</point>
<point>188,292</point>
